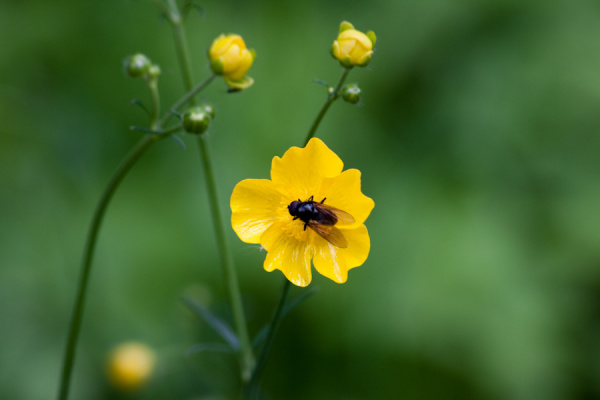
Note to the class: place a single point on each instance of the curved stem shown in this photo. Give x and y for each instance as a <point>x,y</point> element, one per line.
<point>330,99</point>
<point>252,391</point>
<point>88,254</point>
<point>247,359</point>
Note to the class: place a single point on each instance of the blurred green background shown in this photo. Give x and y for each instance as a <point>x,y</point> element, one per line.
<point>478,139</point>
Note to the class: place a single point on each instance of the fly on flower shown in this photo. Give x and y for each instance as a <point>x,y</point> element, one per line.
<point>321,218</point>
<point>275,213</point>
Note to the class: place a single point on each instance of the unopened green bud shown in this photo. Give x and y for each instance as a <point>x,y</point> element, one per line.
<point>153,71</point>
<point>351,93</point>
<point>196,120</point>
<point>207,108</point>
<point>137,65</point>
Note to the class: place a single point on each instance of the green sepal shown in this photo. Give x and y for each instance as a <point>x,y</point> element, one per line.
<point>345,25</point>
<point>216,66</point>
<point>218,325</point>
<point>240,84</point>
<point>346,63</point>
<point>372,37</point>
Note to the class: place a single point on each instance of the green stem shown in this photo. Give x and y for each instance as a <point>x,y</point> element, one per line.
<point>330,99</point>
<point>252,391</point>
<point>247,358</point>
<point>181,46</point>
<point>88,253</point>
<point>155,104</point>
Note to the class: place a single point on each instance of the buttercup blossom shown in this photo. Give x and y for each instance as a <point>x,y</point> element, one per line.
<point>353,48</point>
<point>262,213</point>
<point>130,365</point>
<point>230,58</point>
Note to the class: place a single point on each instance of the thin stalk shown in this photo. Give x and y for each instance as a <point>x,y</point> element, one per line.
<point>235,298</point>
<point>88,254</point>
<point>253,387</point>
<point>155,103</point>
<point>330,99</point>
<point>181,46</point>
<point>246,356</point>
<point>252,391</point>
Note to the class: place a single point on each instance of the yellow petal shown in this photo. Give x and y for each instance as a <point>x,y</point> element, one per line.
<point>357,37</point>
<point>253,204</point>
<point>244,62</point>
<point>334,262</point>
<point>298,174</point>
<point>231,59</point>
<point>222,44</point>
<point>343,192</point>
<point>287,254</point>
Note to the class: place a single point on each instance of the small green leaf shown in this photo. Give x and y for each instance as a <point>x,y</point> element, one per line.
<point>138,102</point>
<point>214,347</point>
<point>262,334</point>
<point>214,322</point>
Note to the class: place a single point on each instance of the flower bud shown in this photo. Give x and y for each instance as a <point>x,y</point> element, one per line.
<point>136,65</point>
<point>207,108</point>
<point>353,48</point>
<point>153,72</point>
<point>130,365</point>
<point>230,58</point>
<point>197,119</point>
<point>351,93</point>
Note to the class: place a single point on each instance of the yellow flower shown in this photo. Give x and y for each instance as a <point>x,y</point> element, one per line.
<point>130,365</point>
<point>262,213</point>
<point>230,58</point>
<point>353,48</point>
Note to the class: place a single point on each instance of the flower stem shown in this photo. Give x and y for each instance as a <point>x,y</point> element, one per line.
<point>152,85</point>
<point>247,358</point>
<point>76,317</point>
<point>252,391</point>
<point>330,99</point>
<point>181,46</point>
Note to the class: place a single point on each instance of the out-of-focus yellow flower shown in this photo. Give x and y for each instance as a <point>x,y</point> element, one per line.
<point>130,365</point>
<point>307,190</point>
<point>352,47</point>
<point>230,58</point>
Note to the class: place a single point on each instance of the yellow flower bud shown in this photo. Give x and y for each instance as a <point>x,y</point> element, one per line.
<point>230,58</point>
<point>130,366</point>
<point>353,48</point>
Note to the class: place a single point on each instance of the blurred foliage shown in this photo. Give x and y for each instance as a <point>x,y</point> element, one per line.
<point>478,139</point>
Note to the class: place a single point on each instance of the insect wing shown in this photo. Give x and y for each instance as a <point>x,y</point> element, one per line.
<point>343,218</point>
<point>330,233</point>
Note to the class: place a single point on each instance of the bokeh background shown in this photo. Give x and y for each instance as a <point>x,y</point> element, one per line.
<point>478,139</point>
